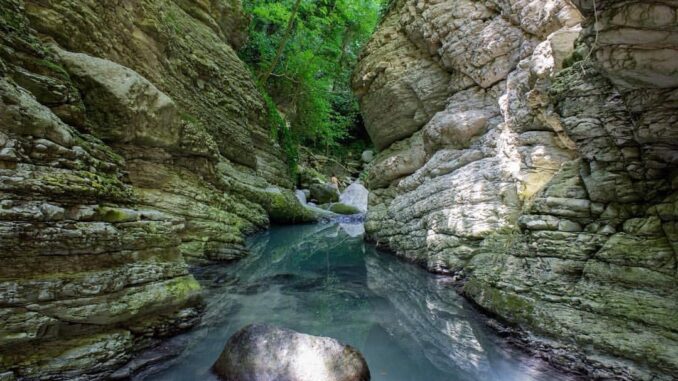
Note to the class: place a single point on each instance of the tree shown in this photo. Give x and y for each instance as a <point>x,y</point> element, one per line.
<point>282,44</point>
<point>303,52</point>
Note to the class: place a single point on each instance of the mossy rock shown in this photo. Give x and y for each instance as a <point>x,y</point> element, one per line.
<point>513,307</point>
<point>324,193</point>
<point>309,176</point>
<point>283,207</point>
<point>340,208</point>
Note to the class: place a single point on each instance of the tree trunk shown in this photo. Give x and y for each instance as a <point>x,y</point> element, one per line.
<point>263,78</point>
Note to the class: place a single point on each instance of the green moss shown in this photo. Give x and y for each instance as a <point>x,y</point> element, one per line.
<point>171,20</point>
<point>340,208</point>
<point>283,207</point>
<point>515,308</point>
<point>578,55</point>
<point>48,356</point>
<point>194,137</point>
<point>309,176</point>
<point>567,78</point>
<point>183,287</point>
<point>114,215</point>
<point>188,118</point>
<point>85,183</point>
<point>11,17</point>
<point>54,67</point>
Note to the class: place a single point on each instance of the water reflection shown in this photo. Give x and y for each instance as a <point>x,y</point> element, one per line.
<point>322,280</point>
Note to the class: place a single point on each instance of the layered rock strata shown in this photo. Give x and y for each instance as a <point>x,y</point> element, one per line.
<point>131,138</point>
<point>530,148</point>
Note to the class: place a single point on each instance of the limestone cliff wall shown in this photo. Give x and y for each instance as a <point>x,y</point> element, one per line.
<point>131,139</point>
<point>530,149</point>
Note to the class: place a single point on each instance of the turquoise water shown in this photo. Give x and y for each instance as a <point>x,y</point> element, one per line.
<point>410,325</point>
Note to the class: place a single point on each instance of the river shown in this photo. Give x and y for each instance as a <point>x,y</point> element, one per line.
<point>409,324</point>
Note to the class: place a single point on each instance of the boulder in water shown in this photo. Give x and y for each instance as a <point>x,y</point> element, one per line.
<point>261,352</point>
<point>324,193</point>
<point>353,229</point>
<point>355,195</point>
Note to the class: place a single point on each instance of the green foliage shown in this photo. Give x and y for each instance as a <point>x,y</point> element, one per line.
<point>310,77</point>
<point>281,133</point>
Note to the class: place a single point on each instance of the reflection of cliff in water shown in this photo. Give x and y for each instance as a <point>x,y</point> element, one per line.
<point>434,322</point>
<point>297,269</point>
<point>428,316</point>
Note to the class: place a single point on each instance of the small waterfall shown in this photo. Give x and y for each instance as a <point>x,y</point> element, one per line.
<point>301,196</point>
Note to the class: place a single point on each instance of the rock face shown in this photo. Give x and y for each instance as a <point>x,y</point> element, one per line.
<point>131,138</point>
<point>531,152</point>
<point>261,352</point>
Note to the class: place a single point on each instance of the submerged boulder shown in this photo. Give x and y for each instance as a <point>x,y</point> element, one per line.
<point>261,352</point>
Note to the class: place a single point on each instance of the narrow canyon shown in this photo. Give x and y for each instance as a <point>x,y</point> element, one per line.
<point>525,154</point>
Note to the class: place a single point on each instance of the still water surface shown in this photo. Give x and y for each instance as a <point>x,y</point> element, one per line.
<point>409,324</point>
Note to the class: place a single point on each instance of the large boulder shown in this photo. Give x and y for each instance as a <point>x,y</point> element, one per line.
<point>355,195</point>
<point>324,193</point>
<point>261,352</point>
<point>124,106</point>
<point>309,176</point>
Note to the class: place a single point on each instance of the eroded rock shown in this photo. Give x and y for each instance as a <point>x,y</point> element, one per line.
<point>542,169</point>
<point>114,170</point>
<point>124,106</point>
<point>261,352</point>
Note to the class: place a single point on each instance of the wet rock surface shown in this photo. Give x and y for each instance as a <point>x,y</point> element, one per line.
<point>528,149</point>
<point>261,352</point>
